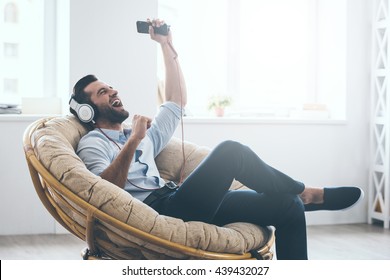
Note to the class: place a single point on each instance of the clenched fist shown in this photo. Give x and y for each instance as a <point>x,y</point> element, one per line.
<point>140,125</point>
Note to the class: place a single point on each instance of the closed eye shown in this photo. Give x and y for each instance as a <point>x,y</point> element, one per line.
<point>101,91</point>
<point>104,90</point>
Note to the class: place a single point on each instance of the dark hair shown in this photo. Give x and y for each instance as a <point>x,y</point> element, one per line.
<point>81,96</point>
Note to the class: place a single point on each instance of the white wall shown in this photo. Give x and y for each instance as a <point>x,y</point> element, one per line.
<point>20,209</point>
<point>104,42</point>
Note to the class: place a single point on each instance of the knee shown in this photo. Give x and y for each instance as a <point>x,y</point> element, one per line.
<point>297,204</point>
<point>294,204</point>
<point>295,213</point>
<point>291,209</point>
<point>229,146</point>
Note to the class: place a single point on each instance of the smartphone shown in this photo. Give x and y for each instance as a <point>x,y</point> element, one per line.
<point>143,27</point>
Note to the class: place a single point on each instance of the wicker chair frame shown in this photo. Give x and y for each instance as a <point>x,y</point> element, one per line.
<point>50,191</point>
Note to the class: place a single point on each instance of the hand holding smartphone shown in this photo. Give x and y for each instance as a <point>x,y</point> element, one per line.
<point>143,27</point>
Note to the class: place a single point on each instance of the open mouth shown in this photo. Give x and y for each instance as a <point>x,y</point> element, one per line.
<point>116,103</point>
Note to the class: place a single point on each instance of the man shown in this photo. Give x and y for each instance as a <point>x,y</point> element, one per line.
<point>126,158</point>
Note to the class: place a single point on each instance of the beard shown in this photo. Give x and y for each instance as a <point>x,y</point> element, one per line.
<point>112,115</point>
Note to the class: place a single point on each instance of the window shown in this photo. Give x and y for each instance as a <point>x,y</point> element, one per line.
<point>29,50</point>
<point>11,86</point>
<point>274,58</point>
<point>11,13</point>
<point>10,50</point>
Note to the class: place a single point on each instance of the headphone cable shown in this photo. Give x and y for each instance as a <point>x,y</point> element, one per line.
<point>119,147</point>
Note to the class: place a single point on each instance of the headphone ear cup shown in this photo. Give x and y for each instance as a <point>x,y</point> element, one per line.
<point>85,113</point>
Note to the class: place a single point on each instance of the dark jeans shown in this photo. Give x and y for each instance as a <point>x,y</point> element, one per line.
<point>273,200</point>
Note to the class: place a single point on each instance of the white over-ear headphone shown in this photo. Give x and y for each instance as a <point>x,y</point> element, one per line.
<point>84,112</point>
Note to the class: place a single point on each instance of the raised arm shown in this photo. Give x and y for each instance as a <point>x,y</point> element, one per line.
<point>175,87</point>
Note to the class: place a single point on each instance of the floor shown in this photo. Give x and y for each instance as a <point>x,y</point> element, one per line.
<point>330,242</point>
<point>349,242</point>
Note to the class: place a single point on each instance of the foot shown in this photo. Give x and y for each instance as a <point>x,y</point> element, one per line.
<point>331,198</point>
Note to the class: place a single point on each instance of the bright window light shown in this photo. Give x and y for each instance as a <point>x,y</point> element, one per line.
<point>22,52</point>
<point>30,50</point>
<point>274,58</point>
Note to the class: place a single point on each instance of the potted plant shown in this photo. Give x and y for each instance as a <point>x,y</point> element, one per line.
<point>218,103</point>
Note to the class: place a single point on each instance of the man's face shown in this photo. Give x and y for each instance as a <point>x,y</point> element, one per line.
<point>107,101</point>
